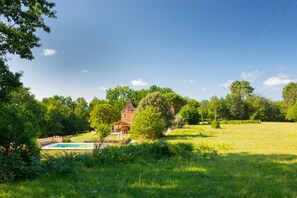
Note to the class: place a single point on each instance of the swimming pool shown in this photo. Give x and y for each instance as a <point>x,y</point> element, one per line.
<point>70,146</point>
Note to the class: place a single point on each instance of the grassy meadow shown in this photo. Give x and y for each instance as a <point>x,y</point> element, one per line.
<point>254,160</point>
<point>80,138</point>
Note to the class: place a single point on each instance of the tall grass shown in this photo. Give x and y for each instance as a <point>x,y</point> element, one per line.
<point>252,161</point>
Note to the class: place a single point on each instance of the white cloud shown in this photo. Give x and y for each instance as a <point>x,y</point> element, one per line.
<point>85,71</point>
<point>49,52</point>
<point>138,82</point>
<point>191,81</point>
<point>203,89</point>
<point>103,88</point>
<point>226,84</point>
<point>251,75</point>
<point>278,80</point>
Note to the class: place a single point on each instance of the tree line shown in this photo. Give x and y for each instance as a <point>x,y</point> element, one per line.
<point>60,115</point>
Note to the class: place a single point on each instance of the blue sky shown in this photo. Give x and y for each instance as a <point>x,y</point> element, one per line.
<point>195,47</point>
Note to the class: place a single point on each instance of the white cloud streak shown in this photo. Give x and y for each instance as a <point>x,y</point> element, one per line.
<point>49,52</point>
<point>103,88</point>
<point>85,71</point>
<point>251,75</point>
<point>278,80</point>
<point>138,82</point>
<point>226,84</point>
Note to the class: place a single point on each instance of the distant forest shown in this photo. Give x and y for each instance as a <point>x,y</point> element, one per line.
<point>60,115</point>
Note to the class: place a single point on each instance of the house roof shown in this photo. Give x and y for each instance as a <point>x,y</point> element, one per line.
<point>129,107</point>
<point>123,123</point>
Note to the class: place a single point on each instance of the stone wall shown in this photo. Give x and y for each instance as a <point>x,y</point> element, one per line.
<point>49,140</point>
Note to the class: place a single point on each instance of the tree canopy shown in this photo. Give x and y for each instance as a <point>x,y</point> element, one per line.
<point>103,113</point>
<point>241,88</point>
<point>148,123</point>
<point>22,19</point>
<point>159,103</point>
<point>290,93</point>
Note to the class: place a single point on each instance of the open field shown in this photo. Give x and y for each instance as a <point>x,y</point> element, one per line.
<point>255,160</point>
<point>80,138</point>
<point>265,138</point>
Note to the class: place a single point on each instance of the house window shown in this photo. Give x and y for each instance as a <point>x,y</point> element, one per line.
<point>124,115</point>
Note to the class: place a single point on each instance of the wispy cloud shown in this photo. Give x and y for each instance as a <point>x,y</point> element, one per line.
<point>191,81</point>
<point>85,71</point>
<point>203,88</point>
<point>138,82</point>
<point>251,75</point>
<point>103,88</point>
<point>48,52</point>
<point>226,84</point>
<point>279,80</point>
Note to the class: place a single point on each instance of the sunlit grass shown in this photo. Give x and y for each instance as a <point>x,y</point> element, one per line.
<point>255,160</point>
<point>265,138</point>
<point>89,137</point>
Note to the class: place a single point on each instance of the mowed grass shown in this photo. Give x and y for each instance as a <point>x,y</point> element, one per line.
<point>265,138</point>
<point>83,137</point>
<point>255,160</point>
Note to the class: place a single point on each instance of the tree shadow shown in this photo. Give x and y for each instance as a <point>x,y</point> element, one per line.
<point>232,175</point>
<point>187,136</point>
<point>227,175</point>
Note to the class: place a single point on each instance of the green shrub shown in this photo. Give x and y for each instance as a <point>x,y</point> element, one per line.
<point>19,166</point>
<point>148,123</point>
<point>62,164</point>
<point>130,153</point>
<point>66,140</point>
<point>240,122</point>
<point>215,124</point>
<point>178,122</point>
<point>190,114</point>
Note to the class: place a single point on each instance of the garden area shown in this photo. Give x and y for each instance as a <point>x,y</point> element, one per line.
<point>244,160</point>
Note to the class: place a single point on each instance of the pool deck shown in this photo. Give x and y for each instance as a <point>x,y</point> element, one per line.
<point>49,147</point>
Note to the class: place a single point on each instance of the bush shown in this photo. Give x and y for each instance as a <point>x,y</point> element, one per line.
<point>215,124</point>
<point>131,153</point>
<point>190,114</point>
<point>62,165</point>
<point>160,105</point>
<point>178,122</point>
<point>19,166</point>
<point>240,122</point>
<point>66,140</point>
<point>148,123</point>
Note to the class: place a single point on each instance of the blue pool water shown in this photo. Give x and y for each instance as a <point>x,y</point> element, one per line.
<point>70,146</point>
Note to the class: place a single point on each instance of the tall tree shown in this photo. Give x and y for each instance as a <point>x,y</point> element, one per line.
<point>241,88</point>
<point>162,90</point>
<point>160,104</point>
<point>175,100</point>
<point>82,114</point>
<point>8,82</point>
<point>118,97</point>
<point>236,107</point>
<point>292,113</point>
<point>21,20</point>
<point>213,107</point>
<point>103,113</point>
<point>290,93</point>
<point>190,114</point>
<point>96,101</point>
<point>203,110</point>
<point>148,123</point>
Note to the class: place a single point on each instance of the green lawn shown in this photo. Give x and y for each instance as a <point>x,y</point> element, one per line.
<point>255,160</point>
<point>80,138</point>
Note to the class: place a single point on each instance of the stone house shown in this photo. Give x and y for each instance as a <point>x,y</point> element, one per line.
<point>126,118</point>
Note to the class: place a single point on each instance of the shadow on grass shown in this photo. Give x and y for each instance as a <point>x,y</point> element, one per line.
<point>187,136</point>
<point>231,175</point>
